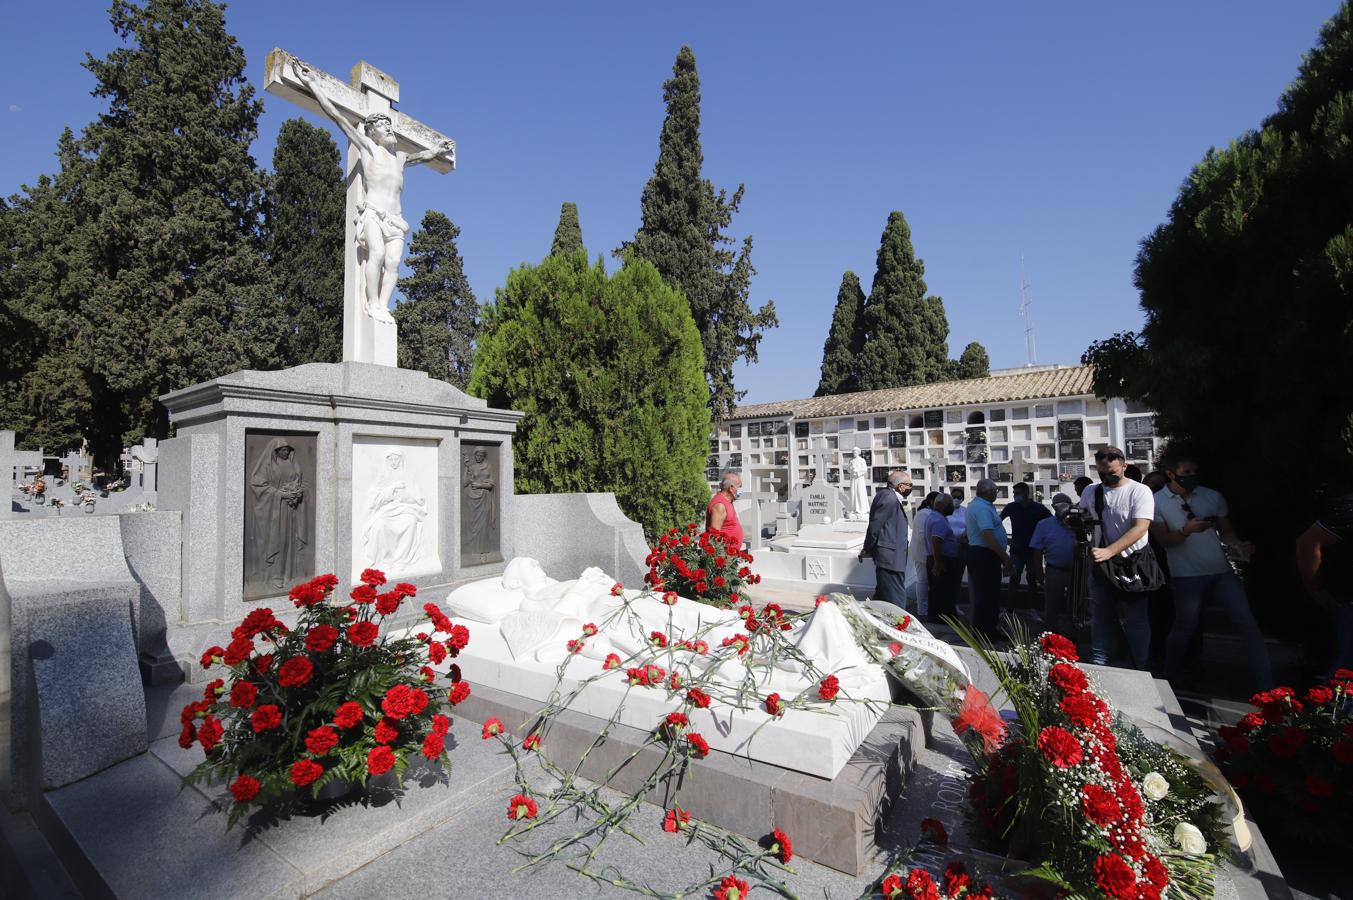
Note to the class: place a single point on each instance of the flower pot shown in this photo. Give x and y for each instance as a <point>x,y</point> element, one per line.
<point>89,508</point>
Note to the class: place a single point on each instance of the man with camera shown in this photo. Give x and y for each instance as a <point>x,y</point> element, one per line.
<point>1125,570</point>
<point>1191,522</point>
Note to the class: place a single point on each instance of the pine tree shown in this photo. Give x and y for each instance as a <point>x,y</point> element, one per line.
<point>906,333</point>
<point>841,352</point>
<point>303,229</point>
<point>155,278</point>
<point>973,363</point>
<point>620,353</point>
<point>683,236</point>
<point>439,317</point>
<point>568,235</point>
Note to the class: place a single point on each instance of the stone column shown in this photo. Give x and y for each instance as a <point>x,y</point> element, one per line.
<point>7,482</point>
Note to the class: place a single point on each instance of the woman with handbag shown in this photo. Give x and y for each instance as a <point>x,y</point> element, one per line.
<point>1125,570</point>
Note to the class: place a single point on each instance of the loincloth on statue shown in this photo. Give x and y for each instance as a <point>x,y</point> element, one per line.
<point>392,227</point>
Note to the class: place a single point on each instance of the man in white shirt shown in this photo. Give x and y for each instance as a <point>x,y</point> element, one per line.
<point>1191,522</point>
<point>1128,509</point>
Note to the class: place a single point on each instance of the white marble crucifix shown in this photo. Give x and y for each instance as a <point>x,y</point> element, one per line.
<point>382,141</point>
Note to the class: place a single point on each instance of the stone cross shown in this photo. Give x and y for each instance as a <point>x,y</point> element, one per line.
<point>369,333</point>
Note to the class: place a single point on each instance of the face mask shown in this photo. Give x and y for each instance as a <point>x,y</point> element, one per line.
<point>737,495</point>
<point>1110,480</point>
<point>1187,482</point>
<point>1061,510</point>
<point>906,492</point>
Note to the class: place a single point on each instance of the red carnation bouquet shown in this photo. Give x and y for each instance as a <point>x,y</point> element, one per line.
<point>703,565</point>
<point>331,700</point>
<point>1102,809</point>
<point>1292,760</point>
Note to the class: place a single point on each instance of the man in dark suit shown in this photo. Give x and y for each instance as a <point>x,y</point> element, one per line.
<point>885,541</point>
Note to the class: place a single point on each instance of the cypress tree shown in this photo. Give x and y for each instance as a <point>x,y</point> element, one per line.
<point>439,317</point>
<point>568,234</point>
<point>156,279</point>
<point>303,227</point>
<point>620,353</point>
<point>906,333</point>
<point>972,363</point>
<point>841,352</point>
<point>683,236</point>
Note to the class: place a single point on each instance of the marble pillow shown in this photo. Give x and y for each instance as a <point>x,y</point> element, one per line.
<point>483,601</point>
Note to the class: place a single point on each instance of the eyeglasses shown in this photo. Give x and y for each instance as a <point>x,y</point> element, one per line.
<point>1188,510</point>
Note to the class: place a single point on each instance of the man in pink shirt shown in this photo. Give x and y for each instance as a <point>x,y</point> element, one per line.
<point>719,514</point>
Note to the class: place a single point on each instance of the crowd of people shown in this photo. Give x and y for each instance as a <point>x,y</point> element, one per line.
<point>1143,555</point>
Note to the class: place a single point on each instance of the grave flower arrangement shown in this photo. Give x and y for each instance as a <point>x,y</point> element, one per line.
<point>1292,760</point>
<point>703,565</point>
<point>333,699</point>
<point>1102,810</point>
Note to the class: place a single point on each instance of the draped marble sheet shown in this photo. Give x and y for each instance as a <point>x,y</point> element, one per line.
<point>520,625</point>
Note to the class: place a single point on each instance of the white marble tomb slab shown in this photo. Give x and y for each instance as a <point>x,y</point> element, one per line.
<point>828,537</point>
<point>817,741</point>
<point>395,514</point>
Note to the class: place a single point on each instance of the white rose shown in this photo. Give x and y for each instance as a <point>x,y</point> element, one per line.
<point>1189,838</point>
<point>1155,786</point>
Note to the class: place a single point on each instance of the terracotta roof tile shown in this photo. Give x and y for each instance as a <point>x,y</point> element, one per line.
<point>1066,381</point>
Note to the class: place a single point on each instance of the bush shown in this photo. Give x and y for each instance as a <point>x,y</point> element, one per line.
<point>609,372</point>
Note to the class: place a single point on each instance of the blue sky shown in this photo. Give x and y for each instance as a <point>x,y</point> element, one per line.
<point>1058,131</point>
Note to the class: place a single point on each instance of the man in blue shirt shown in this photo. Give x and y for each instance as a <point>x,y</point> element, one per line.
<point>1024,514</point>
<point>987,558</point>
<point>1054,545</point>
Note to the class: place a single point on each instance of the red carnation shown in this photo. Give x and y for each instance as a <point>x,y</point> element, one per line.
<point>404,589</point>
<point>460,636</point>
<point>326,582</point>
<point>1100,805</point>
<point>921,885</point>
<point>401,701</point>
<point>459,691</point>
<point>773,706</point>
<point>257,622</point>
<point>305,771</point>
<point>262,663</point>
<point>676,820</point>
<point>380,760</point>
<point>1319,695</point>
<point>657,639</point>
<point>697,697</point>
<point>307,594</point>
<point>266,718</point>
<point>956,879</point>
<point>363,634</point>
<point>493,726</point>
<point>1286,743</point>
<point>321,740</point>
<point>321,638</point>
<point>211,691</point>
<point>521,807</point>
<point>676,721</point>
<point>1067,678</point>
<point>731,888</point>
<point>1115,878</point>
<point>434,745</point>
<point>295,672</point>
<point>829,687</point>
<point>363,593</point>
<point>386,732</point>
<point>1154,871</point>
<point>699,746</point>
<point>436,652</point>
<point>387,604</point>
<point>1080,709</point>
<point>933,830</point>
<point>244,788</point>
<point>211,655</point>
<point>781,846</point>
<point>209,732</point>
<point>1060,747</point>
<point>612,661</point>
<point>532,742</point>
<point>1057,646</point>
<point>891,887</point>
<point>373,577</point>
<point>348,714</point>
<point>441,724</point>
<point>187,735</point>
<point>238,651</point>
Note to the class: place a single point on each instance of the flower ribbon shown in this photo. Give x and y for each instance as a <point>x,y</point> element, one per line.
<point>978,714</point>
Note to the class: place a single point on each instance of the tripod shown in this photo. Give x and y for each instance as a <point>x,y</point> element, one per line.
<point>1078,598</point>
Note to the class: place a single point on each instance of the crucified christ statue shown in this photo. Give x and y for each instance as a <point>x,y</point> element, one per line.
<point>380,226</point>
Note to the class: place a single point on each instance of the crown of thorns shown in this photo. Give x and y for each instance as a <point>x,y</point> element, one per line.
<point>377,117</point>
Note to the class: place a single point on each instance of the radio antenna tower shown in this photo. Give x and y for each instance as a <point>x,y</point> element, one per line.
<point>1024,304</point>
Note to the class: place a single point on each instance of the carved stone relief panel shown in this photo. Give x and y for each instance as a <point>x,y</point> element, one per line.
<point>481,491</point>
<point>395,516</point>
<point>279,511</point>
